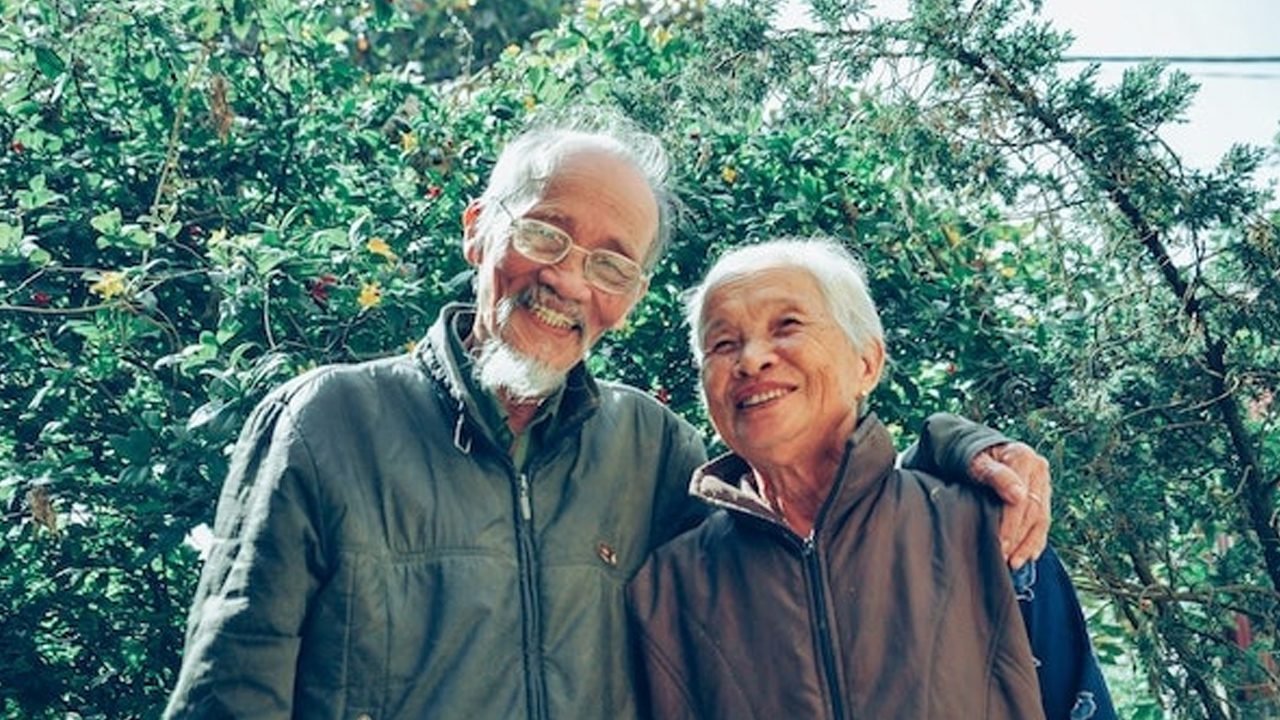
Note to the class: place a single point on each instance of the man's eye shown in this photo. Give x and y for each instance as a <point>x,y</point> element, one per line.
<point>614,268</point>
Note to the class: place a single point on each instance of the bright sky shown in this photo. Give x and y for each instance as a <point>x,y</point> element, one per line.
<point>1237,102</point>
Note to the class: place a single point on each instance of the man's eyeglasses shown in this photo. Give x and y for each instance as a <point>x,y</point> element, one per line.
<point>547,244</point>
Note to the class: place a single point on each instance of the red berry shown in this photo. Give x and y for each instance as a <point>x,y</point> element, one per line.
<point>318,289</point>
<point>434,191</point>
<point>41,299</point>
<point>17,146</point>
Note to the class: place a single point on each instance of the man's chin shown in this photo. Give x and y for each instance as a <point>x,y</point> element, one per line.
<point>502,368</point>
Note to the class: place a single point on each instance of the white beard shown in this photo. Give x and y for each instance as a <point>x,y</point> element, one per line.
<point>501,368</point>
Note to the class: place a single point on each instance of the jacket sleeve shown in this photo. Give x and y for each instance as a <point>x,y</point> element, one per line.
<point>243,632</point>
<point>1071,683</point>
<point>674,511</point>
<point>661,689</point>
<point>947,444</point>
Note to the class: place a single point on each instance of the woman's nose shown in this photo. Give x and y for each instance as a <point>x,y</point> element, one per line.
<point>754,357</point>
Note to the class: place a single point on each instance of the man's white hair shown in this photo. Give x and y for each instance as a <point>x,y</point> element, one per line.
<point>531,160</point>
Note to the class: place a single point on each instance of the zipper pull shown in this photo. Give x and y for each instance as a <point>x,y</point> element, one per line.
<point>808,547</point>
<point>526,506</point>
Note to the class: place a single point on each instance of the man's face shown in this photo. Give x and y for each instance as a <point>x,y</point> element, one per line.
<point>550,314</point>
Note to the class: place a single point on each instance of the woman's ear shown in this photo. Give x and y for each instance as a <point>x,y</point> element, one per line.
<point>472,243</point>
<point>869,366</point>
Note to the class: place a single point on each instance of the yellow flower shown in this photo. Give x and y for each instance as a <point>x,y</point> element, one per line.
<point>511,50</point>
<point>661,36</point>
<point>109,285</point>
<point>729,174</point>
<point>408,142</point>
<point>370,295</point>
<point>218,236</point>
<point>1007,271</point>
<point>410,345</point>
<point>530,102</point>
<point>378,246</point>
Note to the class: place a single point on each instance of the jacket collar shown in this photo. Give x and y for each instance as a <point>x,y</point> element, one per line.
<point>727,482</point>
<point>445,362</point>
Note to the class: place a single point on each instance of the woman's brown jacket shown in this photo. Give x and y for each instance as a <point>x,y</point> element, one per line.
<point>899,606</point>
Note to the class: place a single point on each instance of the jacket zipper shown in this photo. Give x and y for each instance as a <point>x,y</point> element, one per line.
<point>529,599</point>
<point>826,653</point>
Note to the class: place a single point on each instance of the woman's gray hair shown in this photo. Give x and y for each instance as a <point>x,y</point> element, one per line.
<point>531,160</point>
<point>839,275</point>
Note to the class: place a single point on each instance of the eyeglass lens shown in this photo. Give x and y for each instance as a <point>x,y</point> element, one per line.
<point>547,244</point>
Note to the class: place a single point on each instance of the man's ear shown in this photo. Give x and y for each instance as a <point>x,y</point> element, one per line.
<point>472,243</point>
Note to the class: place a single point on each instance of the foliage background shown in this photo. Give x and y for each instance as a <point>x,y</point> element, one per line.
<point>202,198</point>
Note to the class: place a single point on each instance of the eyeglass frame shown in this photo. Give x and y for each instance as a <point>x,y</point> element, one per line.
<point>551,230</point>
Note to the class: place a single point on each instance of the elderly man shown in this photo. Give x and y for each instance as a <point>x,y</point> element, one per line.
<point>449,534</point>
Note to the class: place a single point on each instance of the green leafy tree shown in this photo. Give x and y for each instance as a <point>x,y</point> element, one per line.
<point>204,199</point>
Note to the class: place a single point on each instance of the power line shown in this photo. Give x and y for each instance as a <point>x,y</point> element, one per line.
<point>1223,59</point>
<point>1238,76</point>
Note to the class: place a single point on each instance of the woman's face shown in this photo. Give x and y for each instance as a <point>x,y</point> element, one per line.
<point>780,378</point>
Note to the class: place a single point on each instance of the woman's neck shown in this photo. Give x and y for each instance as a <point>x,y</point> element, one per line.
<point>797,493</point>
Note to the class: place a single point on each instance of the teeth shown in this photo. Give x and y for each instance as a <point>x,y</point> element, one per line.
<point>552,318</point>
<point>762,397</point>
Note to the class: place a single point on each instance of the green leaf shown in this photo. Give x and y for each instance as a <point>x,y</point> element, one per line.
<point>10,238</point>
<point>35,254</point>
<point>210,23</point>
<point>140,238</point>
<point>134,448</point>
<point>51,66</point>
<point>25,107</point>
<point>107,223</point>
<point>38,196</point>
<point>151,68</point>
<point>327,239</point>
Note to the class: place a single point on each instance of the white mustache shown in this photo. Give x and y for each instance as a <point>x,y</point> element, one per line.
<point>542,295</point>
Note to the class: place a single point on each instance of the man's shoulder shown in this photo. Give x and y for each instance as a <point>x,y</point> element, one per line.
<point>342,387</point>
<point>621,398</point>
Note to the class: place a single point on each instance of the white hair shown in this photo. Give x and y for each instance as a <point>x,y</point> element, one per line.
<point>840,277</point>
<point>532,159</point>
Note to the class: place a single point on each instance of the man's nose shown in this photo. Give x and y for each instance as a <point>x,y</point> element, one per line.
<point>568,277</point>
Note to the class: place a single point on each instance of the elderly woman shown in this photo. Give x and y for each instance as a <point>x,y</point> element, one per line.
<point>830,584</point>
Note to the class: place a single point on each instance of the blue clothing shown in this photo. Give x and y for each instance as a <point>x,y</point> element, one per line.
<point>1071,683</point>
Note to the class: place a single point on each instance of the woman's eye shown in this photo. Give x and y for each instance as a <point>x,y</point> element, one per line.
<point>719,347</point>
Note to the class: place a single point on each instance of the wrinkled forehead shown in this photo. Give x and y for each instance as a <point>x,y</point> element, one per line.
<point>752,293</point>
<point>600,192</point>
